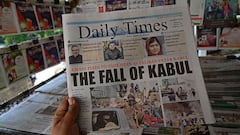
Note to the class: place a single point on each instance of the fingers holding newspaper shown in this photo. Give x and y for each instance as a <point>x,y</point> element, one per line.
<point>65,118</point>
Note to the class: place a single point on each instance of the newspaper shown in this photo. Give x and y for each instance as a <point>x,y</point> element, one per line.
<point>134,70</point>
<point>196,8</point>
<point>35,114</point>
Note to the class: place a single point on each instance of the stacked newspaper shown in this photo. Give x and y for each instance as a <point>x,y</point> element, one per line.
<point>134,70</point>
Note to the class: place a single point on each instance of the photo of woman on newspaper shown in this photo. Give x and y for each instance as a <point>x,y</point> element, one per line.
<point>153,46</point>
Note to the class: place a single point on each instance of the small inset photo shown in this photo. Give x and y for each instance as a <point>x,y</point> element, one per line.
<point>114,5</point>
<point>74,54</point>
<point>113,50</point>
<point>154,46</point>
<point>103,120</point>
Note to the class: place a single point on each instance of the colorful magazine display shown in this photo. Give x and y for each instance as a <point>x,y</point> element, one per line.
<point>14,65</point>
<point>44,17</point>
<point>26,17</point>
<point>206,38</point>
<point>51,53</point>
<point>229,37</point>
<point>35,58</point>
<point>7,21</point>
<point>135,69</point>
<point>220,13</point>
<point>57,12</point>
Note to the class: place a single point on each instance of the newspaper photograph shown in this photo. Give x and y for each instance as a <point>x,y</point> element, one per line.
<point>135,70</point>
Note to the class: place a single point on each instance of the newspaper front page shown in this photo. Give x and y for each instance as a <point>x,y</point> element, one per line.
<point>135,70</point>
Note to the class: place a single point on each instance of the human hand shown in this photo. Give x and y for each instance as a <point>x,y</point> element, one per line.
<point>65,118</point>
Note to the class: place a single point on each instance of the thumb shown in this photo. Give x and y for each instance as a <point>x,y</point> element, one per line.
<point>73,110</point>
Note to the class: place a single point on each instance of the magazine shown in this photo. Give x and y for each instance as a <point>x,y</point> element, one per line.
<point>135,69</point>
<point>206,38</point>
<point>229,38</point>
<point>35,58</point>
<point>14,65</point>
<point>50,52</point>
<point>7,22</point>
<point>60,46</point>
<point>57,12</point>
<point>196,8</point>
<point>27,20</point>
<point>43,13</point>
<point>220,13</point>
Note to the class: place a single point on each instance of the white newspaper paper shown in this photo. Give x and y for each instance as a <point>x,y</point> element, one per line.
<point>135,69</point>
<point>33,115</point>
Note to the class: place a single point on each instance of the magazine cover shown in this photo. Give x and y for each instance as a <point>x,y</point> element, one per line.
<point>91,6</point>
<point>229,37</point>
<point>26,17</point>
<point>35,58</point>
<point>51,53</point>
<point>134,70</point>
<point>220,13</point>
<point>7,21</point>
<point>44,17</point>
<point>136,4</point>
<point>57,12</point>
<point>60,46</point>
<point>14,65</point>
<point>114,5</point>
<point>206,38</point>
<point>197,11</point>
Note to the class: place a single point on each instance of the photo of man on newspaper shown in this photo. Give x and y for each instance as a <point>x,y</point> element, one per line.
<point>76,57</point>
<point>112,52</point>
